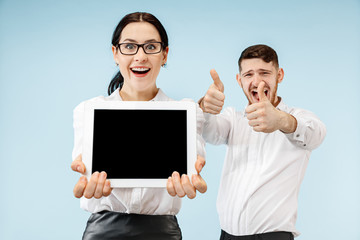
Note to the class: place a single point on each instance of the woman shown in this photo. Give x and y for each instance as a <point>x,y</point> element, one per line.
<point>140,48</point>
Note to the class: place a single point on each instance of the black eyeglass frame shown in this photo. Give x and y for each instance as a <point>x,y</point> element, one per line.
<point>138,47</point>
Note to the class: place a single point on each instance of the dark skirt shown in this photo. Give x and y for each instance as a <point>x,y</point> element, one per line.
<point>107,225</point>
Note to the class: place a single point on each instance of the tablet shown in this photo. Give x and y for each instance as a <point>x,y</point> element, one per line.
<point>139,144</point>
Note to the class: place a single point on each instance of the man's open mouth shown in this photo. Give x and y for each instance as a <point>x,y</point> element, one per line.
<point>256,95</point>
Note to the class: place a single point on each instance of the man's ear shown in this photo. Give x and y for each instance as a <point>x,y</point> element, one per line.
<point>238,79</point>
<point>280,75</point>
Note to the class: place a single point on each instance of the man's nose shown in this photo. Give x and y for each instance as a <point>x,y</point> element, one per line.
<point>257,79</point>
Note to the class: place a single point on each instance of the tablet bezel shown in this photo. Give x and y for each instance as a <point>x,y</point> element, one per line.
<point>90,108</point>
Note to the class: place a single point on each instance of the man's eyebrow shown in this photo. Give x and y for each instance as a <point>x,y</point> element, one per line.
<point>263,70</point>
<point>247,72</point>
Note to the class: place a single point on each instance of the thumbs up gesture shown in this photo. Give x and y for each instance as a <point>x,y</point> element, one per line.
<point>213,101</point>
<point>263,116</point>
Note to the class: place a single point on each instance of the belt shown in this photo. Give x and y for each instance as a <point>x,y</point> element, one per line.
<point>261,236</point>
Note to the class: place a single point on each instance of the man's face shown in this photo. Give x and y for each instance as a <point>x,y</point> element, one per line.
<point>254,71</point>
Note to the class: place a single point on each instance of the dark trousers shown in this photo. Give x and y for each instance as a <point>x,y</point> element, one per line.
<point>121,226</point>
<point>262,236</point>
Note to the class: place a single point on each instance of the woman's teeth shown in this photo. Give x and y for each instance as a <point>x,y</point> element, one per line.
<point>140,70</point>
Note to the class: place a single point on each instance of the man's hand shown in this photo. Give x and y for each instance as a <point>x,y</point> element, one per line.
<point>264,117</point>
<point>182,186</point>
<point>213,101</point>
<point>97,187</point>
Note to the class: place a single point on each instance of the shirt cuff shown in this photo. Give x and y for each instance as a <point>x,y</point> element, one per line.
<point>299,134</point>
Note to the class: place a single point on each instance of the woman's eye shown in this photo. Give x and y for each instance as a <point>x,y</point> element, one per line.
<point>150,47</point>
<point>130,46</point>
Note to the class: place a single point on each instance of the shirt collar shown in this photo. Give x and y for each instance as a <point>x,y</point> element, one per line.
<point>281,106</point>
<point>160,96</point>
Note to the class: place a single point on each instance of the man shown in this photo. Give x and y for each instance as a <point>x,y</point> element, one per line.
<point>268,149</point>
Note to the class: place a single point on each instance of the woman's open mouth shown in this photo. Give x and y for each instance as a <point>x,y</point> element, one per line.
<point>140,71</point>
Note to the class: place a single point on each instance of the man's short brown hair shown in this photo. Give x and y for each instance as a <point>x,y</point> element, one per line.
<point>266,53</point>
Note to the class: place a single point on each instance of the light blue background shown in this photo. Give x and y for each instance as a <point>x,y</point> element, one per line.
<point>54,54</point>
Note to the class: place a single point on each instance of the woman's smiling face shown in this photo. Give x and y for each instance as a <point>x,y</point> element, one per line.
<point>140,70</point>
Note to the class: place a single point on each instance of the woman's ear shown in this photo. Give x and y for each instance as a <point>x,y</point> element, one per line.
<point>115,54</point>
<point>166,51</point>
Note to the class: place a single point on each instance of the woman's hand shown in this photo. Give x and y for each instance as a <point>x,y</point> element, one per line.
<point>97,187</point>
<point>182,186</point>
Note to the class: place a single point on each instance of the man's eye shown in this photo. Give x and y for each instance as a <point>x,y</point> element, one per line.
<point>247,75</point>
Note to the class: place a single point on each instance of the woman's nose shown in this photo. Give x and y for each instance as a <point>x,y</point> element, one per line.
<point>140,56</point>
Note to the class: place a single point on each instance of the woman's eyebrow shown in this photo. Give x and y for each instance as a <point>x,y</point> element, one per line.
<point>134,41</point>
<point>152,40</point>
<point>129,40</point>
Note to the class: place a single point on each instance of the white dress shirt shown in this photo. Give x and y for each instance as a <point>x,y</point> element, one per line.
<point>151,201</point>
<point>262,172</point>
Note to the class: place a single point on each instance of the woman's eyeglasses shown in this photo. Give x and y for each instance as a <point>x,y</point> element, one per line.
<point>133,48</point>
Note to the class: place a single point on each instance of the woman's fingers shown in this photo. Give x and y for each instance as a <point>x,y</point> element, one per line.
<point>188,187</point>
<point>97,187</point>
<point>170,187</point>
<point>177,184</point>
<point>100,185</point>
<point>200,163</point>
<point>199,183</point>
<point>77,165</point>
<point>182,186</point>
<point>80,187</point>
<point>91,186</point>
<point>107,188</point>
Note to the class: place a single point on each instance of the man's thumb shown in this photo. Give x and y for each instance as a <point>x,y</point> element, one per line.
<point>215,76</point>
<point>261,93</point>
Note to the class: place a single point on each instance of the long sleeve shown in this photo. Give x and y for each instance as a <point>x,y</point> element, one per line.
<point>217,127</point>
<point>78,124</point>
<point>200,142</point>
<point>310,131</point>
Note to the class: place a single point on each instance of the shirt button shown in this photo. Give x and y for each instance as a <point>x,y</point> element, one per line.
<point>304,145</point>
<point>297,135</point>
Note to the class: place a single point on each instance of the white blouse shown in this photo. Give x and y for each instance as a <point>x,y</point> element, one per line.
<point>151,201</point>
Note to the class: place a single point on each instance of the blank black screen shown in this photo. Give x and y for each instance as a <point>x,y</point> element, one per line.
<point>144,144</point>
